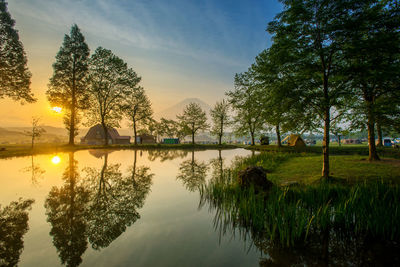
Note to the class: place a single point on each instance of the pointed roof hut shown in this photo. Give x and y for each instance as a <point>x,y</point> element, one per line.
<point>294,140</point>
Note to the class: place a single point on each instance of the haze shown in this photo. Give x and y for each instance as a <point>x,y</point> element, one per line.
<point>181,49</point>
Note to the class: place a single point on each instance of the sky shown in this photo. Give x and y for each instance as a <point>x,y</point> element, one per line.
<point>180,48</point>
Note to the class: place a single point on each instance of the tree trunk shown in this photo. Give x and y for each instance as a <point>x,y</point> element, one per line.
<point>73,103</point>
<point>134,131</point>
<point>220,140</point>
<point>192,138</point>
<point>105,133</point>
<point>371,132</point>
<point>325,143</point>
<point>33,141</point>
<point>278,135</point>
<point>252,139</point>
<point>222,131</point>
<point>379,130</point>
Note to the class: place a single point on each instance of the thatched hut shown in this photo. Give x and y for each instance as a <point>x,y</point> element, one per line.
<point>294,140</point>
<point>96,136</point>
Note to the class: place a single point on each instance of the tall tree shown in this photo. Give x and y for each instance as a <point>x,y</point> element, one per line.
<point>193,119</point>
<point>15,78</point>
<point>220,119</point>
<point>68,85</point>
<point>308,31</point>
<point>246,101</point>
<point>110,83</point>
<point>373,62</point>
<point>137,108</point>
<point>281,108</point>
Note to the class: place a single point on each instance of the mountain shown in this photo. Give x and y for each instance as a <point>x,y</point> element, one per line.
<point>171,112</point>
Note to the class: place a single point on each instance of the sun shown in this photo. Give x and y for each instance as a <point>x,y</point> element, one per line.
<point>56,109</point>
<point>55,160</point>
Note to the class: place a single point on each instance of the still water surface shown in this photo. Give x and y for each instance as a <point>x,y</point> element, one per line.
<point>121,208</point>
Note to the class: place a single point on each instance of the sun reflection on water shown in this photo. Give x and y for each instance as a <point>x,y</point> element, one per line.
<point>55,160</point>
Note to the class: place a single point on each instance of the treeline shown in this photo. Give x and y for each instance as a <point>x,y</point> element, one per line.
<point>332,65</point>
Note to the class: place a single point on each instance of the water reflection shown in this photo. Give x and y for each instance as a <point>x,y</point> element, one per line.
<point>66,210</point>
<point>96,209</point>
<point>218,168</point>
<point>192,173</point>
<point>13,226</point>
<point>166,154</point>
<point>289,227</point>
<point>35,170</point>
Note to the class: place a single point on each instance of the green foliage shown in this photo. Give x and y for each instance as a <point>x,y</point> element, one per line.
<point>193,119</point>
<point>15,77</point>
<point>220,119</point>
<point>246,101</point>
<point>291,216</point>
<point>137,108</point>
<point>68,87</point>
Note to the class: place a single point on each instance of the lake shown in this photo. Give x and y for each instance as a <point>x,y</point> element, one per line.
<point>117,208</point>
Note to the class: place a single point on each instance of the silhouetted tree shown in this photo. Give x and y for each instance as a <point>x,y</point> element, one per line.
<point>68,85</point>
<point>36,130</point>
<point>13,227</point>
<point>15,78</point>
<point>110,83</point>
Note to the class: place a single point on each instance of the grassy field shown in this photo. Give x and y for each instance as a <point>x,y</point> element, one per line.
<point>350,164</point>
<point>7,151</point>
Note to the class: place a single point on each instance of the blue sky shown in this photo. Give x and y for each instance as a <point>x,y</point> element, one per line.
<point>180,48</point>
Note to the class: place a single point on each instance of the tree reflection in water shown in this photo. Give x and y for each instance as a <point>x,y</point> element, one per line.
<point>35,170</point>
<point>97,209</point>
<point>166,154</point>
<point>290,228</point>
<point>66,210</point>
<point>13,226</point>
<point>192,173</point>
<point>218,169</point>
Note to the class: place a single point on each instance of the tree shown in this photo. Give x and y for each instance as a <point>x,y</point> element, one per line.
<point>68,85</point>
<point>220,118</point>
<point>373,62</point>
<point>137,108</point>
<point>66,210</point>
<point>110,83</point>
<point>13,227</point>
<point>15,78</point>
<point>245,100</point>
<point>193,119</point>
<point>281,108</point>
<point>308,34</point>
<point>36,130</point>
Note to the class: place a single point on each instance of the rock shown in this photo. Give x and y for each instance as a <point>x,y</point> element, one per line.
<point>256,176</point>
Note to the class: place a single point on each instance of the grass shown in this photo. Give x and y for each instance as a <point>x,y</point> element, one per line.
<point>334,150</point>
<point>296,215</point>
<point>7,151</point>
<point>307,168</point>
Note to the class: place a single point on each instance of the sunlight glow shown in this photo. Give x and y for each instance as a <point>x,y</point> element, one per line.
<point>57,109</point>
<point>55,160</point>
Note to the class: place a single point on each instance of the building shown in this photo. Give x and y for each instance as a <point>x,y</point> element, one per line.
<point>145,139</point>
<point>96,136</point>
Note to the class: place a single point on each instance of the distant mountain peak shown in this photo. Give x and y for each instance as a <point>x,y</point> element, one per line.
<point>171,112</point>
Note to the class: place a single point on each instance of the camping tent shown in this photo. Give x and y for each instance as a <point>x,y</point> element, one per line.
<point>294,140</point>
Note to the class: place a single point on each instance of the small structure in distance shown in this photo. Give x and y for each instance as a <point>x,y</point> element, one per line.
<point>96,136</point>
<point>294,140</point>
